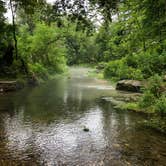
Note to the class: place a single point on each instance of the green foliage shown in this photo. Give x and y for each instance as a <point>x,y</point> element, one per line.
<point>154,95</point>
<point>137,66</point>
<point>80,46</point>
<point>101,65</point>
<point>150,63</point>
<point>44,48</point>
<point>28,6</point>
<point>155,86</point>
<point>5,30</point>
<point>160,105</point>
<point>137,35</point>
<point>147,100</point>
<point>118,69</point>
<point>107,7</point>
<point>131,106</point>
<point>113,68</point>
<point>39,70</point>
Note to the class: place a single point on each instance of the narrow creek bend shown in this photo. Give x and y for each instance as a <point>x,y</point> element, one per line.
<point>44,126</point>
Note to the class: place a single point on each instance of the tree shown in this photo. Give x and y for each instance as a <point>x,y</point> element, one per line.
<point>107,7</point>
<point>154,21</point>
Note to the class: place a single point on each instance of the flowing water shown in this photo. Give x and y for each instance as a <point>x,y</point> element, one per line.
<point>45,126</point>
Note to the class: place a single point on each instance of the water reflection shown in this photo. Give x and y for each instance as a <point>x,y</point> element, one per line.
<point>44,126</point>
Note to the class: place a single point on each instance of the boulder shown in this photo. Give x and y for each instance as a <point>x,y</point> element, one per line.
<point>130,85</point>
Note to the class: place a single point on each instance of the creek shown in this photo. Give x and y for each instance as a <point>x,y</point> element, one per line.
<point>45,126</point>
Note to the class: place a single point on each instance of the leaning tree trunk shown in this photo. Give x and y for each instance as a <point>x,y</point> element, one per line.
<point>14,29</point>
<point>24,66</point>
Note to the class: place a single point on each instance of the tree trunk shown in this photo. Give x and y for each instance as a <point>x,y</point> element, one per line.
<point>24,66</point>
<point>14,29</point>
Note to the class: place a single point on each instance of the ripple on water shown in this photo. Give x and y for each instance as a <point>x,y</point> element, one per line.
<point>44,126</point>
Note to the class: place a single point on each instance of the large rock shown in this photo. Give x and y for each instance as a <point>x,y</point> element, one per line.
<point>129,85</point>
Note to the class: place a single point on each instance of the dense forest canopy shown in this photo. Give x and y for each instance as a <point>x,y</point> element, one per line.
<point>128,30</point>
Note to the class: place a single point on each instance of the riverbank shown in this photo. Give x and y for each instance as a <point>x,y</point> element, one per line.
<point>19,81</point>
<point>14,84</point>
<point>153,107</point>
<point>154,121</point>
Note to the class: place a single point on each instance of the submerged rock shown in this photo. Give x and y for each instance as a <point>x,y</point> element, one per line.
<point>112,100</point>
<point>86,129</point>
<point>130,85</point>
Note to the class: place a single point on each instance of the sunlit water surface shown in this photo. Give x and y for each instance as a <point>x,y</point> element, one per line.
<point>44,126</point>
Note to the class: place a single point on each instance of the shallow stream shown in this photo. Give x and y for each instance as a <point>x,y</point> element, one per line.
<point>44,126</point>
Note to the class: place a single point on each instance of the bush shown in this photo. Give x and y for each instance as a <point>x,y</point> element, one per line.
<point>39,70</point>
<point>119,69</point>
<point>155,85</point>
<point>131,61</point>
<point>147,100</point>
<point>150,63</point>
<point>154,95</point>
<point>112,68</point>
<point>160,105</point>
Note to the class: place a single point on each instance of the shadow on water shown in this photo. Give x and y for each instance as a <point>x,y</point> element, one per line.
<point>44,126</point>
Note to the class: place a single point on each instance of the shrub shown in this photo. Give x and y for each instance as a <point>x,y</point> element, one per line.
<point>115,69</point>
<point>150,63</point>
<point>131,60</point>
<point>154,95</point>
<point>160,105</point>
<point>155,85</point>
<point>39,70</point>
<point>147,100</point>
<point>119,69</point>
<point>135,73</point>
